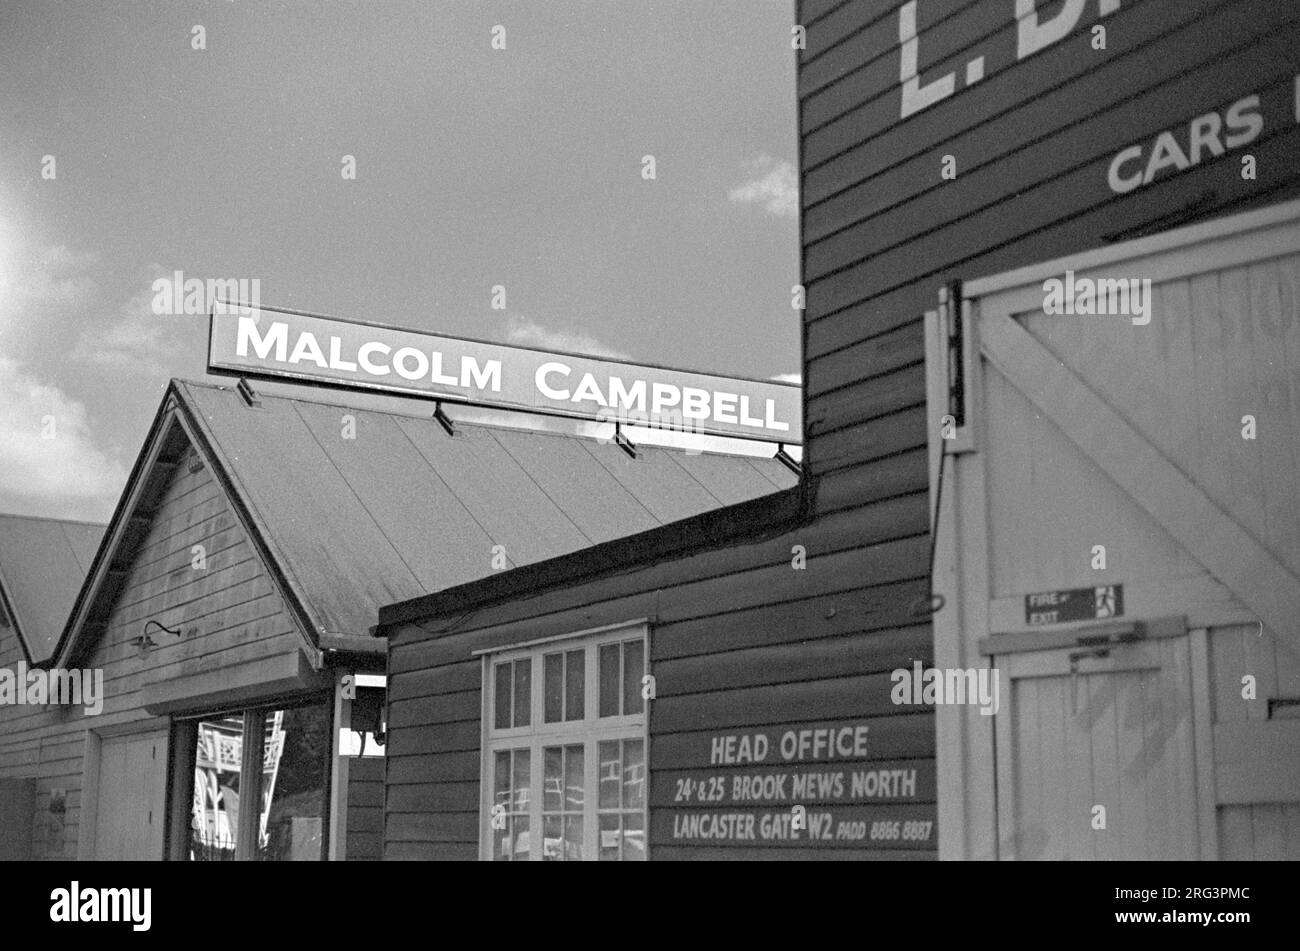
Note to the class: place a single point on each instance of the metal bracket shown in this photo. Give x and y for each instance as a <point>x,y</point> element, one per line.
<point>622,441</point>
<point>787,460</point>
<point>246,393</point>
<point>443,419</point>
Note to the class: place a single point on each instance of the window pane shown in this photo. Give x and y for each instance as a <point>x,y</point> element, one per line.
<point>523,692</point>
<point>295,762</point>
<point>633,837</point>
<point>574,778</point>
<point>553,685</point>
<point>501,717</point>
<point>633,774</point>
<point>573,838</point>
<point>633,665</point>
<point>609,836</point>
<point>501,780</point>
<point>576,692</point>
<point>522,844</point>
<point>552,849</point>
<point>214,812</point>
<point>552,779</point>
<point>609,680</point>
<point>520,781</point>
<point>607,758</point>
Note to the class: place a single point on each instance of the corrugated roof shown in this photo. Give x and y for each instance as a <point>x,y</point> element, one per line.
<point>43,562</point>
<point>403,509</point>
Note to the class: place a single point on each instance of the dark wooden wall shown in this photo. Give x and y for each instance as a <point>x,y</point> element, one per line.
<point>741,639</point>
<point>365,835</point>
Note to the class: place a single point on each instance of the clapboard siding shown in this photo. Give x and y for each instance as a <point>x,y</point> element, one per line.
<point>232,603</point>
<point>739,637</point>
<point>365,819</point>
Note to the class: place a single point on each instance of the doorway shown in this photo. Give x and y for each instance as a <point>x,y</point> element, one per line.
<point>129,795</point>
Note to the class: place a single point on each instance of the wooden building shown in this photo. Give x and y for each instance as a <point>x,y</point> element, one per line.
<point>43,562</point>
<point>231,603</point>
<point>941,142</point>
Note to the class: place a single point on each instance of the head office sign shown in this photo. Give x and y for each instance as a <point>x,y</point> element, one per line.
<point>282,345</point>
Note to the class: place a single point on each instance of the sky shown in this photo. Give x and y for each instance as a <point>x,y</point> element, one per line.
<point>127,154</point>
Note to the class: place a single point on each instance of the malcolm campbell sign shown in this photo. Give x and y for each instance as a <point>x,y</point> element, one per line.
<point>282,345</point>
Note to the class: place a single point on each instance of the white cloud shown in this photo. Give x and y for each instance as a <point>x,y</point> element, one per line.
<point>47,449</point>
<point>135,340</point>
<point>773,184</point>
<point>789,378</point>
<point>528,333</point>
<point>49,458</point>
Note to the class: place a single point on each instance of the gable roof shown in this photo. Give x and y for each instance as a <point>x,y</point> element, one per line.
<point>43,562</point>
<point>400,509</point>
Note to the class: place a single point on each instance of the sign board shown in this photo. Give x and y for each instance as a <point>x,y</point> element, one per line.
<point>804,784</point>
<point>1076,604</point>
<point>261,342</point>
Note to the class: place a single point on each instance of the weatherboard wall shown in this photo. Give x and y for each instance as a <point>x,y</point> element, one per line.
<point>239,617</point>
<point>740,641</point>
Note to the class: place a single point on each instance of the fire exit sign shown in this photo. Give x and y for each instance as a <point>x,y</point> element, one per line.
<point>1074,604</point>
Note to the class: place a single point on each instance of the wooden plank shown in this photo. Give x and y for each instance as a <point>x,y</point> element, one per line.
<point>1257,762</point>
<point>1177,504</point>
<point>845,697</point>
<point>435,827</point>
<point>881,608</point>
<point>441,767</point>
<point>430,711</point>
<point>867,399</point>
<point>794,662</point>
<point>434,797</point>
<point>430,851</point>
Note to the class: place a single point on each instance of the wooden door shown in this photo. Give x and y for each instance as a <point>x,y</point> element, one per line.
<point>129,818</point>
<point>1077,733</point>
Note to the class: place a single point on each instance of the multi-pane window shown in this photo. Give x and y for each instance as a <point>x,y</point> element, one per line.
<point>566,761</point>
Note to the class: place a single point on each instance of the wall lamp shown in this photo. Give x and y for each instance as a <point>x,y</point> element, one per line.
<point>144,643</point>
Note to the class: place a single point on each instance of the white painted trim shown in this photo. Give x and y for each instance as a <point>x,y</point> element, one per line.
<point>1214,230</point>
<point>1203,744</point>
<point>589,632</point>
<point>340,721</point>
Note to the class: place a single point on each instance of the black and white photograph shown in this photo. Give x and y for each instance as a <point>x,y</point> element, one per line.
<point>596,430</point>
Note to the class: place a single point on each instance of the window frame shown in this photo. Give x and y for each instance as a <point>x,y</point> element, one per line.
<point>186,728</point>
<point>588,732</point>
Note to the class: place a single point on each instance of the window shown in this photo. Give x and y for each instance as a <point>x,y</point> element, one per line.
<point>565,761</point>
<point>277,763</point>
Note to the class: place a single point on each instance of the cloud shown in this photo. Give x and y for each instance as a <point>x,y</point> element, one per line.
<point>789,378</point>
<point>48,452</point>
<point>773,184</point>
<point>47,449</point>
<point>135,339</point>
<point>527,333</point>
